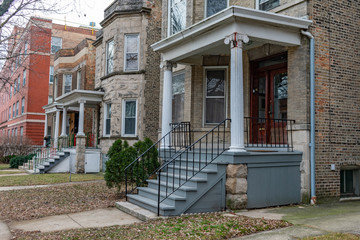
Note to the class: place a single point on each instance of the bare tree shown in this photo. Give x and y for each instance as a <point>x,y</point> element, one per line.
<point>15,26</point>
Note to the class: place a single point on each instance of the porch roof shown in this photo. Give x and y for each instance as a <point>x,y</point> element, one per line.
<point>72,99</point>
<point>207,37</point>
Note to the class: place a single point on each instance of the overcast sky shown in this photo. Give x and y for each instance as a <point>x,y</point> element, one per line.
<point>82,12</point>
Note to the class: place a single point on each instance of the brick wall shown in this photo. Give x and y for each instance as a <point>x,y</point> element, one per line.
<point>336,30</point>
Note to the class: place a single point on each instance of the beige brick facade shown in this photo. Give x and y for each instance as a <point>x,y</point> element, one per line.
<point>143,18</point>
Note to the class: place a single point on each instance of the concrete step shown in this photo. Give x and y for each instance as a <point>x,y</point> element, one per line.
<point>136,211</point>
<point>150,205</point>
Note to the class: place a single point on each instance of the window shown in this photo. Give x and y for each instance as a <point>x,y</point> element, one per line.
<point>26,48</point>
<point>178,90</point>
<point>15,135</point>
<point>15,87</point>
<point>215,6</point>
<point>78,79</point>
<point>23,105</point>
<point>267,5</point>
<point>24,77</point>
<point>9,135</point>
<point>131,52</point>
<point>215,95</point>
<point>129,118</point>
<point>10,112</point>
<point>67,83</point>
<point>18,83</point>
<point>10,91</point>
<point>12,134</point>
<point>13,110</point>
<point>21,134</point>
<point>56,44</point>
<point>350,182</point>
<point>177,16</point>
<point>51,74</point>
<point>107,118</point>
<point>110,56</point>
<point>17,108</point>
<point>50,99</point>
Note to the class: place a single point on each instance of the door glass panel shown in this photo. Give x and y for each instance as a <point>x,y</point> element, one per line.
<point>280,96</point>
<point>262,103</point>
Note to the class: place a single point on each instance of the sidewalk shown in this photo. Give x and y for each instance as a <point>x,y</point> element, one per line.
<point>310,220</point>
<point>89,219</point>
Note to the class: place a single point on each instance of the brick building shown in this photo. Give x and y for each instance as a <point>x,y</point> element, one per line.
<point>286,72</point>
<point>22,100</point>
<point>127,71</point>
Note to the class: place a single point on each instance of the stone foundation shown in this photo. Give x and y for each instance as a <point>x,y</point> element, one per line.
<point>236,186</point>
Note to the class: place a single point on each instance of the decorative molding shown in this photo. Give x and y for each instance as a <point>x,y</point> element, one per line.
<point>168,65</point>
<point>236,39</point>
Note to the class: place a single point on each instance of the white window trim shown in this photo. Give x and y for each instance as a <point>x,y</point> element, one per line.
<point>226,68</point>
<point>52,74</point>
<point>205,10</point>
<point>125,52</point>
<point>78,79</point>
<point>123,118</point>
<point>104,122</point>
<point>169,17</point>
<point>106,55</point>
<point>64,79</point>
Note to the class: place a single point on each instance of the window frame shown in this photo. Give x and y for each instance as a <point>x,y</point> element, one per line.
<point>21,134</point>
<point>18,83</point>
<point>64,83</point>
<point>78,79</point>
<point>226,71</point>
<point>51,45</point>
<point>257,2</point>
<point>206,4</point>
<point>51,74</point>
<point>24,77</point>
<point>169,18</point>
<point>22,105</point>
<point>9,113</point>
<point>137,51</point>
<point>17,108</point>
<point>13,116</point>
<point>123,117</point>
<point>107,56</point>
<point>105,118</point>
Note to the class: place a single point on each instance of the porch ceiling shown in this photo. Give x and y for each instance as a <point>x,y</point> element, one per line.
<point>72,99</point>
<point>207,37</point>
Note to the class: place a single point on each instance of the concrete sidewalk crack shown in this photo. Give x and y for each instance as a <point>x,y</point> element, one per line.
<point>75,221</point>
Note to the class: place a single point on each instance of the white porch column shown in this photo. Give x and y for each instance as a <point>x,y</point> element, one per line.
<point>45,128</point>
<point>63,128</point>
<point>57,120</point>
<point>81,119</point>
<point>167,100</point>
<point>236,91</point>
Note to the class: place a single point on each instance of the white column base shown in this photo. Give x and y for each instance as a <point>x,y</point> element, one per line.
<point>236,149</point>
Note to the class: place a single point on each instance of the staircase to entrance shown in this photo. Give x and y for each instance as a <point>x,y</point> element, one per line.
<point>189,180</point>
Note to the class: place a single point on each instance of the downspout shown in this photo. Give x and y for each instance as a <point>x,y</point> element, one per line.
<point>312,114</point>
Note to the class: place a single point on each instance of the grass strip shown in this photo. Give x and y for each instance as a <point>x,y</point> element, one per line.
<point>41,179</point>
<point>199,226</point>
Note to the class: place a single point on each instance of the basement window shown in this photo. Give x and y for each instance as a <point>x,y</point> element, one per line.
<point>350,182</point>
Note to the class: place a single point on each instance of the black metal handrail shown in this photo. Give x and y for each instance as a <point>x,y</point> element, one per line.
<point>269,133</point>
<point>212,145</point>
<point>176,139</point>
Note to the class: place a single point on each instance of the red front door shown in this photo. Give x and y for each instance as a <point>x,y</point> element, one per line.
<point>268,109</point>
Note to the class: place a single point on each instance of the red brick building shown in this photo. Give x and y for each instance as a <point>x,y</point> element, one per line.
<point>29,73</point>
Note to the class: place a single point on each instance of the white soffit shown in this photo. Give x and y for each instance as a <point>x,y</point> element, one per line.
<point>260,26</point>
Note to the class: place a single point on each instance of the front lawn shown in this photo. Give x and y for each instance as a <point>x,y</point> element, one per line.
<point>199,226</point>
<point>5,172</point>
<point>4,166</point>
<point>28,204</point>
<point>41,179</point>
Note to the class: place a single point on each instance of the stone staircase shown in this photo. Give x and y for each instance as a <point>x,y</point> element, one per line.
<point>204,192</point>
<point>46,164</point>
